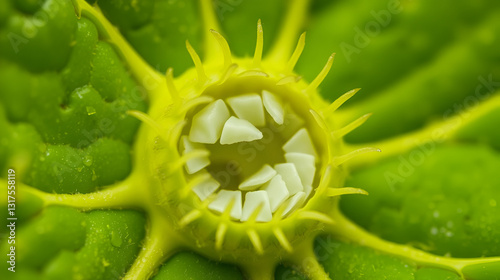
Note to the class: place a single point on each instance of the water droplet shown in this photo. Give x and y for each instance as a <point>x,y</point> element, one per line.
<point>434,230</point>
<point>87,160</point>
<point>116,239</point>
<point>90,110</point>
<point>435,214</point>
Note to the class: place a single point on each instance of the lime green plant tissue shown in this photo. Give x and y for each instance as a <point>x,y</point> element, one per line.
<point>214,140</point>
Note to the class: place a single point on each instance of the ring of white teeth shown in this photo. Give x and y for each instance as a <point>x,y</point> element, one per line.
<point>245,187</point>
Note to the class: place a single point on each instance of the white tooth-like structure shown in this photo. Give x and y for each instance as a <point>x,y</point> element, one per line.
<point>294,202</point>
<point>290,175</point>
<point>273,106</point>
<point>300,143</point>
<point>277,191</point>
<point>206,188</point>
<point>283,186</point>
<point>253,200</point>
<point>237,130</point>
<point>222,201</point>
<point>196,164</point>
<point>208,123</point>
<point>261,177</point>
<point>248,107</point>
<point>305,165</point>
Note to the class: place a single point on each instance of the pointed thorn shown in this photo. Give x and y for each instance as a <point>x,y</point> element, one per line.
<point>190,217</point>
<point>280,236</point>
<point>352,126</point>
<point>187,157</point>
<point>196,180</point>
<point>220,235</point>
<point>253,73</point>
<point>321,76</point>
<point>175,132</point>
<point>325,180</point>
<point>341,100</point>
<point>170,84</point>
<point>296,53</point>
<point>229,71</point>
<point>143,117</point>
<point>341,159</point>
<point>195,102</point>
<point>288,80</point>
<point>321,122</point>
<point>343,191</point>
<point>257,57</point>
<point>226,51</point>
<point>316,216</point>
<point>202,77</point>
<point>255,239</point>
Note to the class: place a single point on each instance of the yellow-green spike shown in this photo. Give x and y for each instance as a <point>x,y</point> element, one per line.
<point>255,239</point>
<point>190,217</point>
<point>296,53</point>
<point>189,156</point>
<point>176,131</point>
<point>321,76</point>
<point>196,180</point>
<point>170,84</point>
<point>255,213</point>
<point>228,72</point>
<point>195,102</point>
<point>220,235</point>
<point>257,57</point>
<point>288,80</point>
<point>202,77</point>
<point>315,215</point>
<point>352,126</point>
<point>341,100</point>
<point>342,191</point>
<point>321,122</point>
<point>149,121</point>
<point>254,73</point>
<point>341,159</point>
<point>226,51</point>
<point>280,236</point>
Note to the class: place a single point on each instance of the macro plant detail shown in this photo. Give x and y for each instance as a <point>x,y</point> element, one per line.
<point>121,167</point>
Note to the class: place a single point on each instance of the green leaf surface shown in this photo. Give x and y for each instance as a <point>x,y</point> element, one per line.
<point>65,89</point>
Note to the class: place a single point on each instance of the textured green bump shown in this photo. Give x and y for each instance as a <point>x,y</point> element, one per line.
<point>490,271</point>
<point>161,41</point>
<point>112,243</point>
<point>77,72</point>
<point>412,202</point>
<point>436,274</point>
<point>187,265</point>
<point>64,169</point>
<point>287,273</point>
<point>50,34</point>
<point>109,76</point>
<point>353,262</point>
<point>55,229</point>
